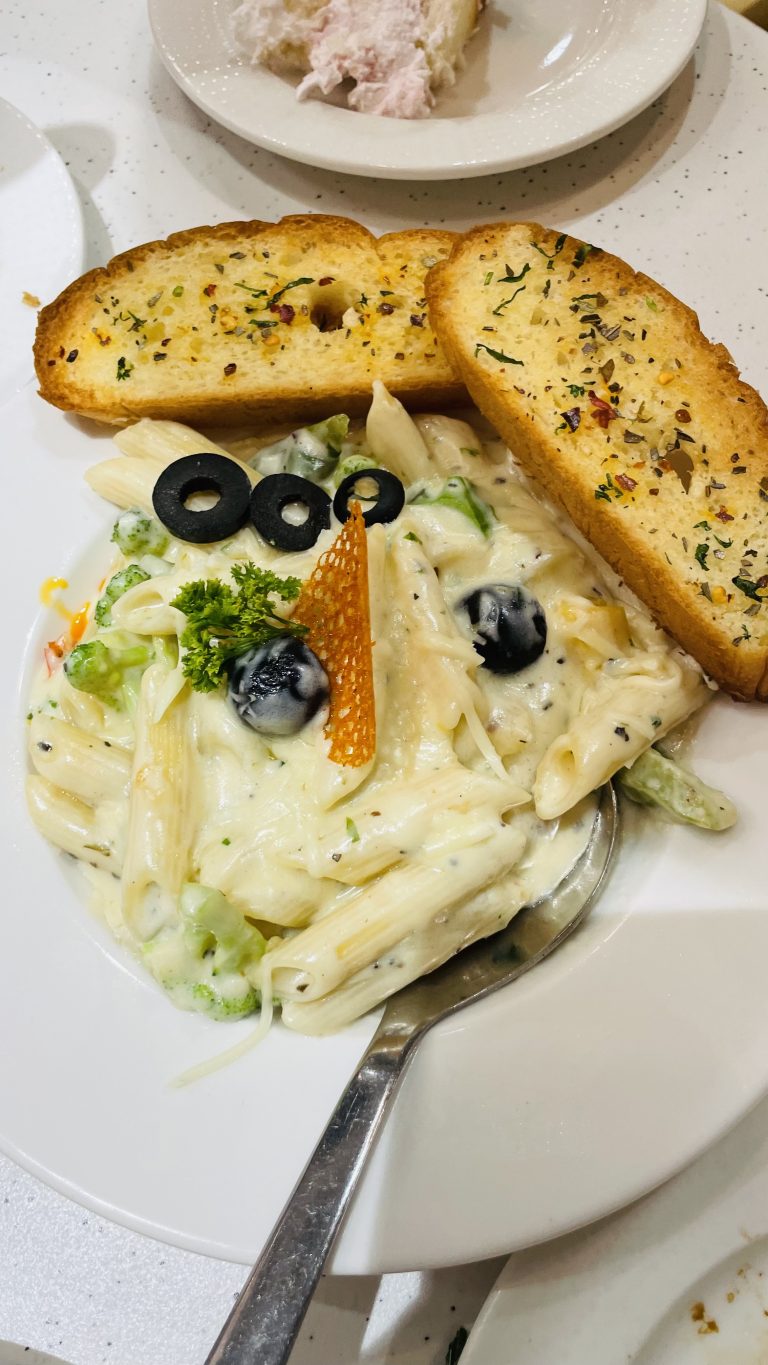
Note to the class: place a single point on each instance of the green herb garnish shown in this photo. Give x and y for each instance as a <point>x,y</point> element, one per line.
<point>581,254</point>
<point>177,291</point>
<point>511,299</point>
<point>353,831</point>
<point>511,277</point>
<point>701,555</point>
<point>305,279</point>
<point>123,368</point>
<point>750,589</point>
<point>550,258</point>
<point>576,390</point>
<point>497,355</point>
<point>255,293</point>
<point>488,277</point>
<point>136,322</point>
<point>222,623</point>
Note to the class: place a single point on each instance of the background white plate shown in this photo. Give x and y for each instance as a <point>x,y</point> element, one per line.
<point>11,1353</point>
<point>540,80</point>
<point>537,1110</point>
<point>41,238</point>
<point>629,1289</point>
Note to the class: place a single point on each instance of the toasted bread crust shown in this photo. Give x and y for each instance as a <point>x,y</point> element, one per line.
<point>679,547</point>
<point>292,370</point>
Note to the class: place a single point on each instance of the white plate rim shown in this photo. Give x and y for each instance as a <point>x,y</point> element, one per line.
<point>427,149</point>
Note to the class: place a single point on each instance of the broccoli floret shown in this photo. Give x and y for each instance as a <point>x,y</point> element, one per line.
<point>459,494</point>
<point>137,534</point>
<point>203,964</point>
<point>353,464</point>
<point>219,1006</point>
<point>107,672</point>
<point>212,925</point>
<point>311,452</point>
<point>117,585</point>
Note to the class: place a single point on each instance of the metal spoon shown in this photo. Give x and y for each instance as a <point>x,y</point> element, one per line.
<point>265,1321</point>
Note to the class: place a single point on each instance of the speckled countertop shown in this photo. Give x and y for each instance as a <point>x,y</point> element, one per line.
<point>147,162</point>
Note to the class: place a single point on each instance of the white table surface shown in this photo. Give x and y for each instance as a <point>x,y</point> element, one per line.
<point>145,163</point>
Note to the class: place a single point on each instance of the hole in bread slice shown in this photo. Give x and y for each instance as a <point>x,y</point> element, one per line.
<point>328,305</point>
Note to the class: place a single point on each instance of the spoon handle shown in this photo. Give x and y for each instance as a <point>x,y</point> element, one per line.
<point>265,1321</point>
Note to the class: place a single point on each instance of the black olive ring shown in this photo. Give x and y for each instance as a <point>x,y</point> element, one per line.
<point>203,473</point>
<point>388,505</point>
<point>273,494</point>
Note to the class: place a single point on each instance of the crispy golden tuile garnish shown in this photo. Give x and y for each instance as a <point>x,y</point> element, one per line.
<point>334,607</point>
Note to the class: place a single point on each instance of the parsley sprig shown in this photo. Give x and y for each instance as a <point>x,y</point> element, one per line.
<point>223,623</point>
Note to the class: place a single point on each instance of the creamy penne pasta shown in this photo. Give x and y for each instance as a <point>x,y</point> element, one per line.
<point>177,755</point>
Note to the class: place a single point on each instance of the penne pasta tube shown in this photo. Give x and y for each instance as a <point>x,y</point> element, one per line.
<point>407,898</point>
<point>424,950</point>
<point>126,482</point>
<point>78,708</point>
<point>396,820</point>
<point>146,609</point>
<point>71,825</point>
<point>260,885</point>
<point>442,678</point>
<point>394,438</point>
<point>81,763</point>
<point>162,442</point>
<point>162,814</point>
<point>626,713</point>
<point>454,447</point>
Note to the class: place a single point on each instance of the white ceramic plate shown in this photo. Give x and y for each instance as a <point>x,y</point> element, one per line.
<point>540,80</point>
<point>11,1353</point>
<point>41,239</point>
<point>531,1113</point>
<point>680,1279</point>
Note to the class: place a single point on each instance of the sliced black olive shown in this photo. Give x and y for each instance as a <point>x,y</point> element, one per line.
<point>510,626</point>
<point>273,494</point>
<point>204,473</point>
<point>389,502</point>
<point>278,687</point>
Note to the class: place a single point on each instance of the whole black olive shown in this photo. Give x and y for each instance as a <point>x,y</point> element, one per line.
<point>279,686</point>
<point>389,502</point>
<point>204,473</point>
<point>269,500</point>
<point>510,626</point>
